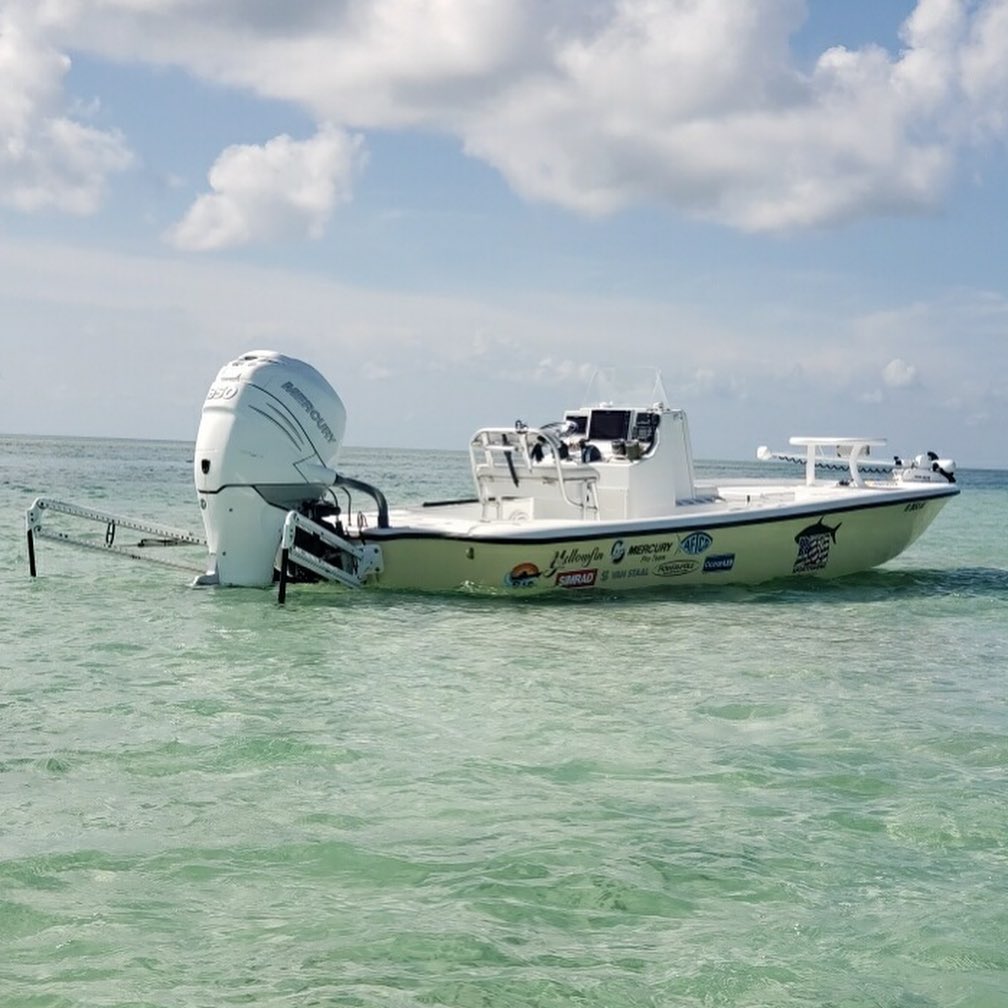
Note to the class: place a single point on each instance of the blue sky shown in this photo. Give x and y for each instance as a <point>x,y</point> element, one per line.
<point>456,208</point>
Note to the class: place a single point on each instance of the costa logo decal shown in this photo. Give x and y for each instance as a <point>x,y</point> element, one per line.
<point>524,575</point>
<point>719,562</point>
<point>695,542</point>
<point>676,568</point>
<point>577,578</point>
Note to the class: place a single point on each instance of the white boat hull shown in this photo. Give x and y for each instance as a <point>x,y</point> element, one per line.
<point>746,548</point>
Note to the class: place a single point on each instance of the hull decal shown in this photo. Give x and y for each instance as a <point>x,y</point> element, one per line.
<point>814,547</point>
<point>523,575</point>
<point>577,578</point>
<point>719,562</point>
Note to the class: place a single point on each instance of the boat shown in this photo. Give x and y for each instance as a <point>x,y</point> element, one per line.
<point>603,498</point>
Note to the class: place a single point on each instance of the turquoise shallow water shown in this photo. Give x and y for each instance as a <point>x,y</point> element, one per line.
<point>793,795</point>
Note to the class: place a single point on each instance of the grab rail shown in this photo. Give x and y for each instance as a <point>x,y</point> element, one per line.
<point>372,491</point>
<point>504,442</point>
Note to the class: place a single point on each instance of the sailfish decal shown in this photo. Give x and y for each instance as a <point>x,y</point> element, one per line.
<point>814,547</point>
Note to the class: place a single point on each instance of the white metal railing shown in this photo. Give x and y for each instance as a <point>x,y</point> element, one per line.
<point>500,456</point>
<point>162,536</point>
<point>850,452</point>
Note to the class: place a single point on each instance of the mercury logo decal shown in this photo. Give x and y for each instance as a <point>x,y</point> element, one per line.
<point>299,397</point>
<point>618,551</point>
<point>652,548</point>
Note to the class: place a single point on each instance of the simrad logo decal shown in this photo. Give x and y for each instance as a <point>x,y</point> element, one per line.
<point>676,568</point>
<point>695,542</point>
<point>814,547</point>
<point>577,578</point>
<point>719,562</point>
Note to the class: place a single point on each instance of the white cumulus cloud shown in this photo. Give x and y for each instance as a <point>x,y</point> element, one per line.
<point>47,158</point>
<point>283,188</point>
<point>550,371</point>
<point>898,373</point>
<point>700,105</point>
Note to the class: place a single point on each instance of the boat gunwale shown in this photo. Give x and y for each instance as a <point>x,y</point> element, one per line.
<point>554,531</point>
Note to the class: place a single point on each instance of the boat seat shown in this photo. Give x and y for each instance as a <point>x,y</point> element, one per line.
<point>541,472</point>
<point>495,483</point>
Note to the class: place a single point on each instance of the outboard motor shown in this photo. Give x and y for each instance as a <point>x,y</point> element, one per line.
<point>268,439</point>
<point>927,468</point>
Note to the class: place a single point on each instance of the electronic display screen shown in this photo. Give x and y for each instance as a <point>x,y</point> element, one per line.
<point>578,423</point>
<point>609,425</point>
<point>645,426</point>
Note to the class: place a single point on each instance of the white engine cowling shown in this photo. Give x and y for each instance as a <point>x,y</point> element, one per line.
<point>268,439</point>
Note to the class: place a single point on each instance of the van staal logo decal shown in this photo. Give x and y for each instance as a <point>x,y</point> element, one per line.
<point>814,547</point>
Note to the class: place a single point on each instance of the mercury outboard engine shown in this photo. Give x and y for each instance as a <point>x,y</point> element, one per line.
<point>268,439</point>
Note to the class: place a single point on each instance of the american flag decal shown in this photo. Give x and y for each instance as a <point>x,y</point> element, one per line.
<point>814,547</point>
